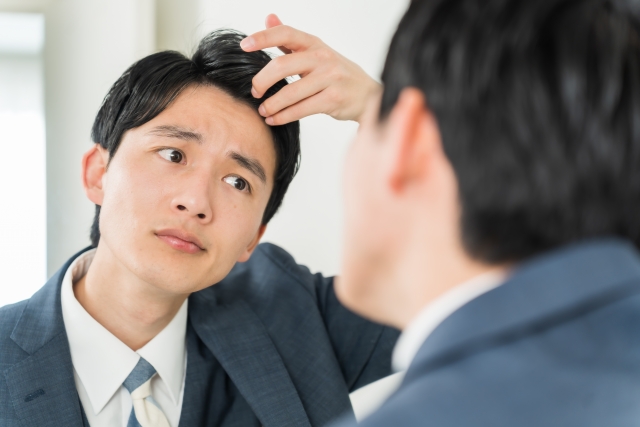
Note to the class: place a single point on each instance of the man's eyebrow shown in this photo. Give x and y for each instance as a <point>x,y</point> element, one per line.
<point>252,165</point>
<point>171,131</point>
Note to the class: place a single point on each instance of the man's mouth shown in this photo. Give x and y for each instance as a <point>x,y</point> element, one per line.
<point>180,240</point>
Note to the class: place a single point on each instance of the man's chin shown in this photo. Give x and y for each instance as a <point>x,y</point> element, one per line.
<point>177,284</point>
<point>172,272</point>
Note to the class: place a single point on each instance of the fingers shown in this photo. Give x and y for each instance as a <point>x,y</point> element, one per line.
<point>329,83</point>
<point>313,105</point>
<point>281,35</point>
<point>273,21</point>
<point>292,94</point>
<point>280,68</point>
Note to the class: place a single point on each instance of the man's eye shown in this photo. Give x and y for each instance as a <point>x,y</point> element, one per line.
<point>237,182</point>
<point>172,155</point>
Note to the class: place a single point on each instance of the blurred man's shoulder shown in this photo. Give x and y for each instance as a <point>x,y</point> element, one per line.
<point>581,369</point>
<point>557,341</point>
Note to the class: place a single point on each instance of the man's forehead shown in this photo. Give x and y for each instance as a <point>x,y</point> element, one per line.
<point>175,131</point>
<point>207,109</point>
<point>209,97</point>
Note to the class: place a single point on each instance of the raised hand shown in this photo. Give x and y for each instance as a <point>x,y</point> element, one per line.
<point>329,83</point>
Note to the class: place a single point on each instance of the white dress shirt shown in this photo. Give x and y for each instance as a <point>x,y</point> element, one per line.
<point>102,362</point>
<point>369,398</point>
<point>431,316</point>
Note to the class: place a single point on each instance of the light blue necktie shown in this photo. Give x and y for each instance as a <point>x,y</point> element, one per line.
<point>145,412</point>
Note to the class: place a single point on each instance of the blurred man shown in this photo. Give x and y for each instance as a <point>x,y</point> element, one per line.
<point>493,212</point>
<point>185,175</point>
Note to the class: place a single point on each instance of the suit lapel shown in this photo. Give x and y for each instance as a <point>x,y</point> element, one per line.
<point>240,342</point>
<point>42,386</point>
<point>542,292</point>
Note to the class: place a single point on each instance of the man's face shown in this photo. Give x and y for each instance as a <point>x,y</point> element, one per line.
<point>185,193</point>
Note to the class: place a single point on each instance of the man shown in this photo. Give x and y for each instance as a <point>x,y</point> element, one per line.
<point>185,175</point>
<point>493,214</point>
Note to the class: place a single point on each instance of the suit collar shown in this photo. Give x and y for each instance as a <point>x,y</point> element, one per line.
<point>542,291</point>
<point>238,339</point>
<point>43,383</point>
<point>427,320</point>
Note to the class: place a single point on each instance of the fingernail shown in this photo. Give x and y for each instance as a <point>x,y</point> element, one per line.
<point>247,43</point>
<point>269,121</point>
<point>262,110</point>
<point>254,92</point>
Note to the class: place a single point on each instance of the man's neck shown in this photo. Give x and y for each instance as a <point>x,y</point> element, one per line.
<point>429,273</point>
<point>133,310</point>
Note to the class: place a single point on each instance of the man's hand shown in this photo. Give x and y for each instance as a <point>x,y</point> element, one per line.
<point>329,83</point>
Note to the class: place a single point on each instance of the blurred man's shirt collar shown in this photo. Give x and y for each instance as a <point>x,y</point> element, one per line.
<point>431,316</point>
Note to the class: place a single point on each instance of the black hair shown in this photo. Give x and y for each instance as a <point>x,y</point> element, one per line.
<point>150,85</point>
<point>538,107</point>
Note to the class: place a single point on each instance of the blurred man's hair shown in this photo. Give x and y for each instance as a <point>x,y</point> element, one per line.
<point>150,85</point>
<point>538,106</point>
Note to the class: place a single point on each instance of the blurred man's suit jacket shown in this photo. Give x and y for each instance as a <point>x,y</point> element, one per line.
<point>269,345</point>
<point>558,344</point>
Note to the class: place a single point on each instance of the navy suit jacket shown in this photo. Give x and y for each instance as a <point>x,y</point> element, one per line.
<point>557,345</point>
<point>270,334</point>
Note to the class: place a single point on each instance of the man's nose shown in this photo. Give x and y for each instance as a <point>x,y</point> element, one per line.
<point>195,200</point>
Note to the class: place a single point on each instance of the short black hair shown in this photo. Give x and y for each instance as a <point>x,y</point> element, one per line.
<point>538,107</point>
<point>150,85</point>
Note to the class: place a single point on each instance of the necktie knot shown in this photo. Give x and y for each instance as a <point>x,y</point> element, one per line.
<point>142,373</point>
<point>145,413</point>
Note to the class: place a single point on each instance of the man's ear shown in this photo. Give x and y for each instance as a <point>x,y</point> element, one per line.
<point>247,253</point>
<point>94,166</point>
<point>415,137</point>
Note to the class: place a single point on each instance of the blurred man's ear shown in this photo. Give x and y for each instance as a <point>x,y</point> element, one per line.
<point>247,253</point>
<point>94,166</point>
<point>414,134</point>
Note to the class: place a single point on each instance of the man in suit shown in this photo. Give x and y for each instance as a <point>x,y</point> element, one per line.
<point>185,175</point>
<point>493,214</point>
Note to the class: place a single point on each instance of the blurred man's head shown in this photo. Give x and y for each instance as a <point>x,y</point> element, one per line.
<point>507,128</point>
<point>185,174</point>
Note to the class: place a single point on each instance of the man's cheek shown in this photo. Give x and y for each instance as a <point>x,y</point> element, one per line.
<point>149,191</point>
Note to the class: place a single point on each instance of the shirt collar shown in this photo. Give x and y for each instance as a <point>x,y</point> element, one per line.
<point>431,316</point>
<point>102,361</point>
<point>166,352</point>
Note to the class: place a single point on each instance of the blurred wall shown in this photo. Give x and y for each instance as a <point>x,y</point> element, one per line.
<point>89,43</point>
<point>23,213</point>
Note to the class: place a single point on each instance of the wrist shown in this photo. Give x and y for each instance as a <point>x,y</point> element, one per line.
<point>373,90</point>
